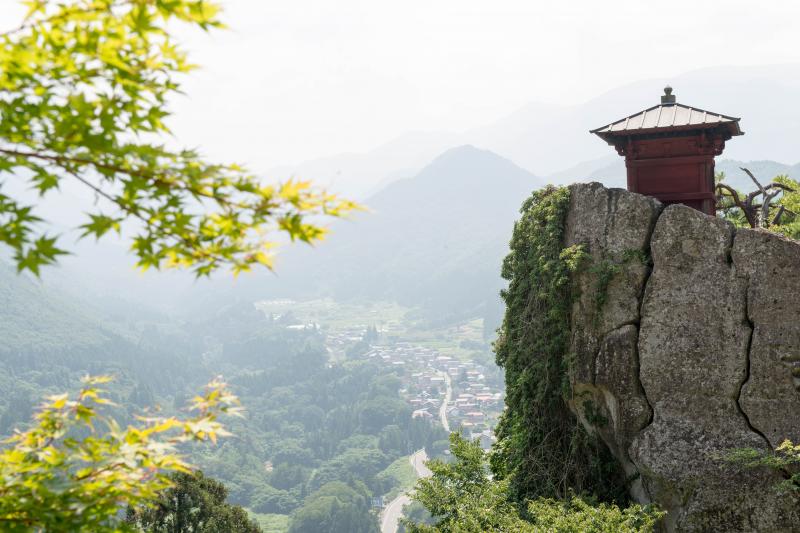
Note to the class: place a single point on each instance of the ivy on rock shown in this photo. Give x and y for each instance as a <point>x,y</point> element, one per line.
<point>542,449</point>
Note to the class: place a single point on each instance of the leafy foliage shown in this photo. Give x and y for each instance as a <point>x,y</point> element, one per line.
<point>335,507</point>
<point>784,458</point>
<point>461,497</point>
<point>400,475</point>
<point>84,87</point>
<point>415,514</point>
<point>64,474</point>
<point>193,503</point>
<point>790,201</point>
<point>542,449</point>
<point>271,523</point>
<point>578,516</point>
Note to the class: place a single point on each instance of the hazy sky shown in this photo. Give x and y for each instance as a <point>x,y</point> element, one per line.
<point>294,80</point>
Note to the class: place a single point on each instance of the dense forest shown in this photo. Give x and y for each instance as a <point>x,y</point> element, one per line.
<point>319,439</point>
<point>310,423</point>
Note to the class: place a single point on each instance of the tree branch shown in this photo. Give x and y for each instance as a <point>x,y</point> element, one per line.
<point>63,160</point>
<point>778,215</point>
<point>746,206</point>
<point>160,230</point>
<point>59,17</point>
<point>758,184</point>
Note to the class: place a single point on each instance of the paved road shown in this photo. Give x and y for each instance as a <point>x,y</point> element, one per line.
<point>418,460</point>
<point>390,516</point>
<point>446,402</point>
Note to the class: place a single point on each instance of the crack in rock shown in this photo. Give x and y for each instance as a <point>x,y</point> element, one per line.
<point>746,377</point>
<point>680,353</point>
<point>611,223</point>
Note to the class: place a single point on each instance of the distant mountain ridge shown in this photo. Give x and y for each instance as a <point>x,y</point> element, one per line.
<point>34,318</point>
<point>764,97</point>
<point>436,240</point>
<point>546,139</point>
<point>541,140</point>
<point>360,175</point>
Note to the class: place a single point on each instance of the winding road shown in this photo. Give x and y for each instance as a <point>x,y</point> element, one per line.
<point>390,516</point>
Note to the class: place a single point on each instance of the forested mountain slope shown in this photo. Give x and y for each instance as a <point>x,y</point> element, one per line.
<point>435,240</point>
<point>33,318</point>
<point>51,339</point>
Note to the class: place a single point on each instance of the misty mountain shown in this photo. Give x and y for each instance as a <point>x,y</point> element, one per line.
<point>52,337</point>
<point>361,175</point>
<point>435,240</point>
<point>546,139</point>
<point>764,98</point>
<point>35,318</point>
<point>763,170</point>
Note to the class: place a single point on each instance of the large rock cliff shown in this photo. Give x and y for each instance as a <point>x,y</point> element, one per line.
<point>686,345</point>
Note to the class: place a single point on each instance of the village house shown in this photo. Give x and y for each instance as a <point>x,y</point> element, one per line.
<point>421,413</point>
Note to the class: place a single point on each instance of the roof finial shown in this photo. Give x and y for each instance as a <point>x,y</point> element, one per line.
<point>668,97</point>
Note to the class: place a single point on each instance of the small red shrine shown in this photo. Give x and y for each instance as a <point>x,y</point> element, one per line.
<point>669,151</point>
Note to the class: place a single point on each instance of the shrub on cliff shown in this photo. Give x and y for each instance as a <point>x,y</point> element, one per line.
<point>542,449</point>
<point>461,497</point>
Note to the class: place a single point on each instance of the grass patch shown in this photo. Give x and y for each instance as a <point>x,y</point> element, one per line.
<point>403,474</point>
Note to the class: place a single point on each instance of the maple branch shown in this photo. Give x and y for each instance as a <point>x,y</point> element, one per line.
<point>64,160</point>
<point>58,17</point>
<point>160,230</point>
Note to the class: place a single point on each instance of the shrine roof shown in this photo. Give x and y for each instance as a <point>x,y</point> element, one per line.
<point>668,116</point>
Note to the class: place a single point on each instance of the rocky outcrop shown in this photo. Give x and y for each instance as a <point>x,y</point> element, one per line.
<point>770,266</point>
<point>613,227</point>
<point>691,350</point>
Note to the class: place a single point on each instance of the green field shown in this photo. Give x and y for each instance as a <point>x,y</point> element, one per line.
<point>402,471</point>
<point>394,322</point>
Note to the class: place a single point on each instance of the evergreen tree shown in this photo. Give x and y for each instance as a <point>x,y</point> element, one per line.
<point>194,504</point>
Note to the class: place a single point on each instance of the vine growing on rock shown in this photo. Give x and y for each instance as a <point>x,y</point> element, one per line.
<point>542,449</point>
